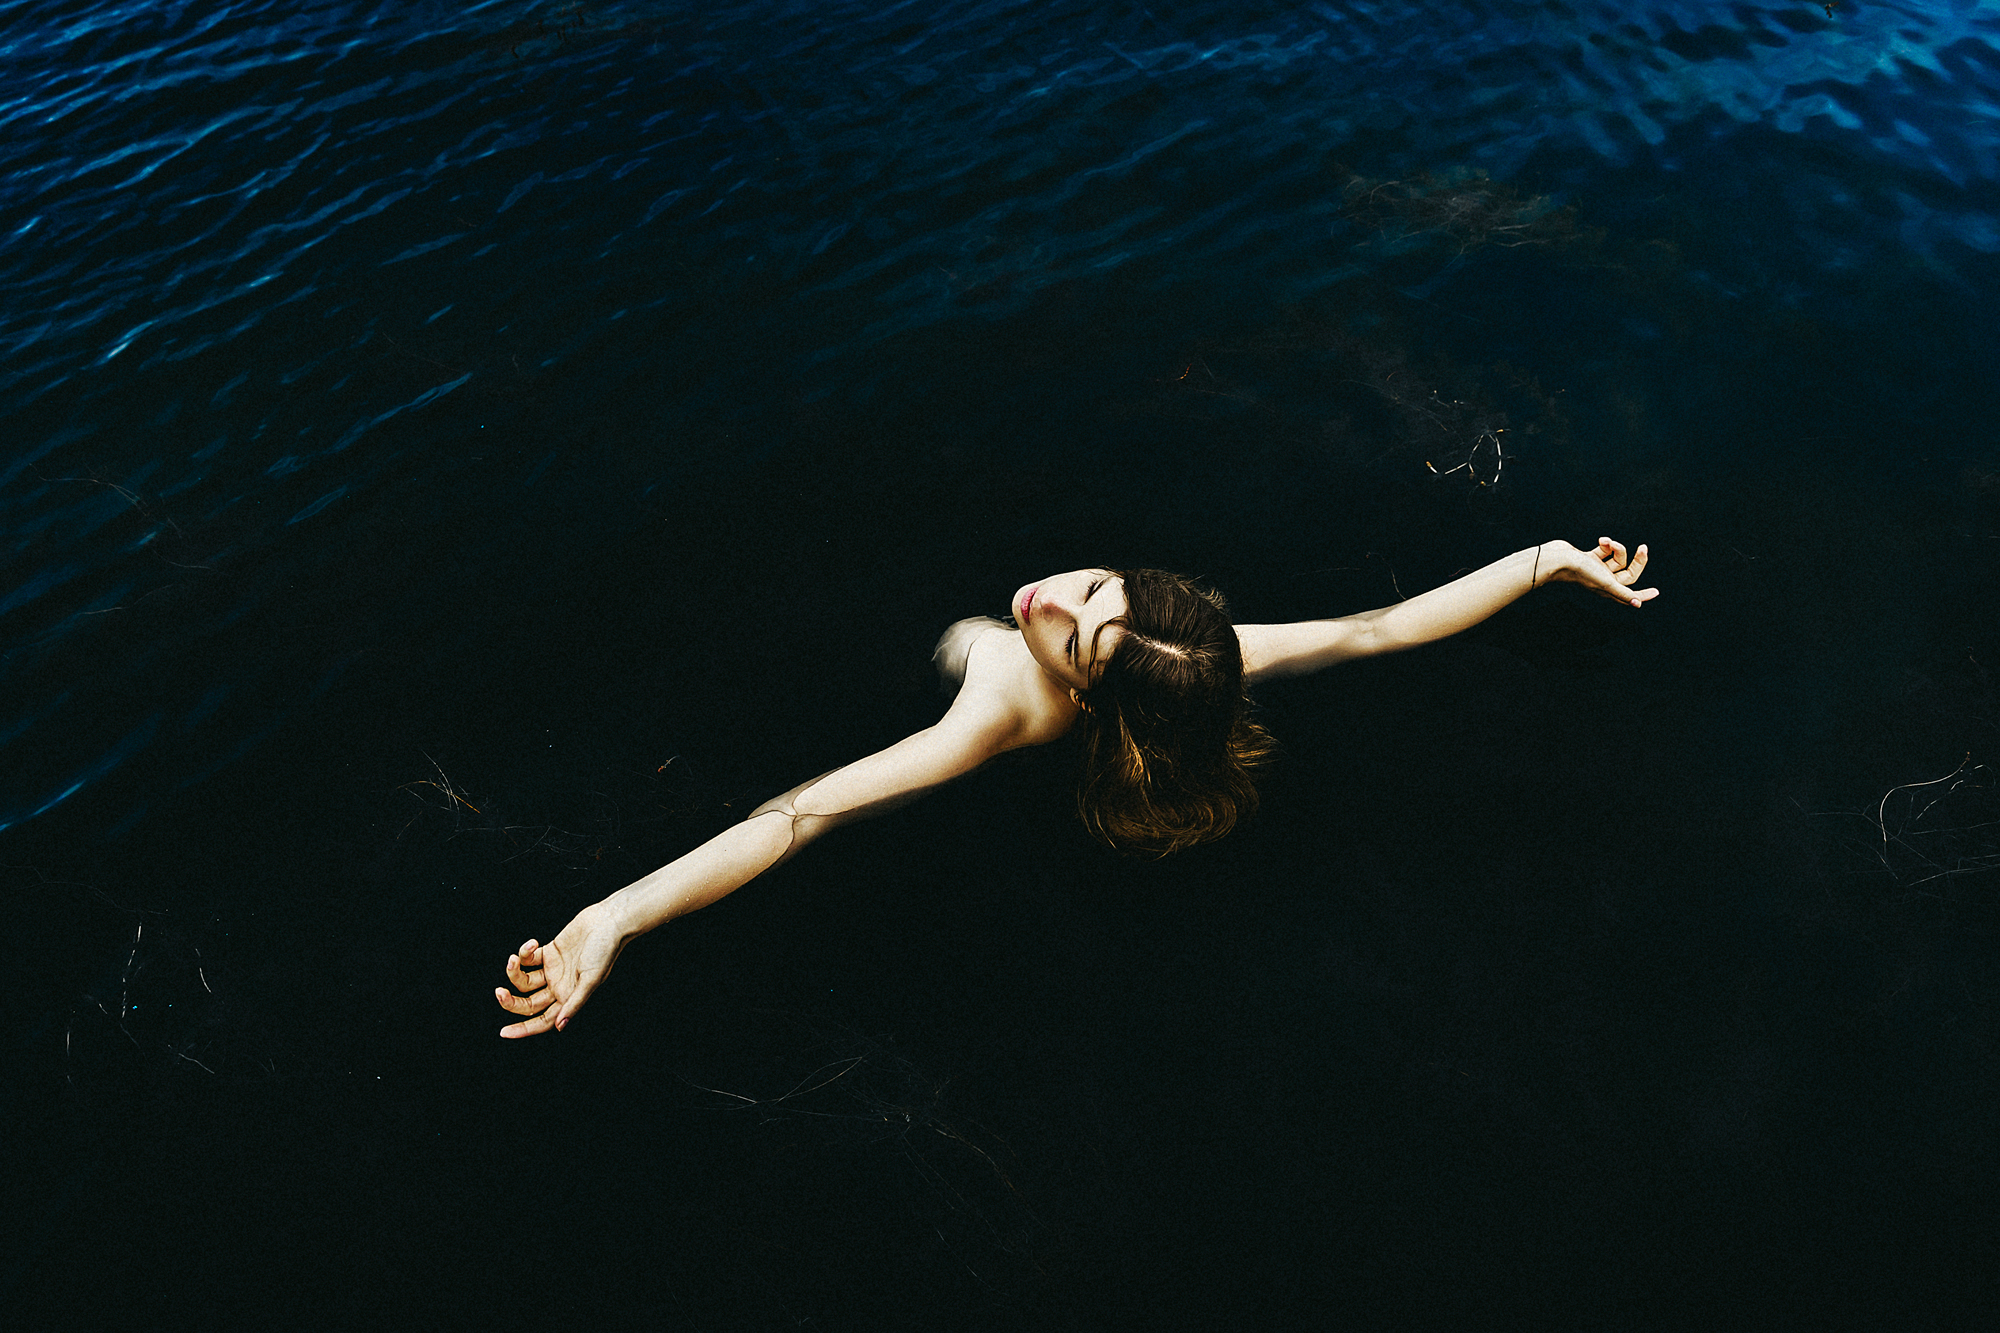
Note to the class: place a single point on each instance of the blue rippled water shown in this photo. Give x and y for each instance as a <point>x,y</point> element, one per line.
<point>271,265</point>
<point>272,269</point>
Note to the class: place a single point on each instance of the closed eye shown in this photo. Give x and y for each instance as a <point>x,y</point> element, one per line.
<point>1069,646</point>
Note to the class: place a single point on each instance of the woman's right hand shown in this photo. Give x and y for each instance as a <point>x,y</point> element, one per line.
<point>557,978</point>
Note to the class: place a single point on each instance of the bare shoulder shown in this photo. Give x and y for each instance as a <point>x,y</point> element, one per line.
<point>1005,689</point>
<point>954,646</point>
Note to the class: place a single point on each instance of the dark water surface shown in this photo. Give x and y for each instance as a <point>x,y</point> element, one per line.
<point>454,459</point>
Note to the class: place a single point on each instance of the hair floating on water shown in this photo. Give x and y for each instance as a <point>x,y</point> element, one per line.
<point>1169,747</point>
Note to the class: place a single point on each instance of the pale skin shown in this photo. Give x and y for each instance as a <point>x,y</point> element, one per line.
<point>1020,688</point>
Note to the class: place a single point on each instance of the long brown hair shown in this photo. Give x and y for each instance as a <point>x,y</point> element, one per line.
<point>1169,746</point>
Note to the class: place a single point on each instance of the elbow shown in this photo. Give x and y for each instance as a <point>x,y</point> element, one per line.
<point>1364,638</point>
<point>781,830</point>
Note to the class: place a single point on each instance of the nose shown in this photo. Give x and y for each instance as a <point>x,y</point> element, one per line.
<point>1059,599</point>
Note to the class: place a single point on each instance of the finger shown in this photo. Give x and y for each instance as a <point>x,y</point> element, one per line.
<point>521,979</point>
<point>529,953</point>
<point>561,1015</point>
<point>1630,574</point>
<point>538,1024</point>
<point>1617,549</point>
<point>524,1004</point>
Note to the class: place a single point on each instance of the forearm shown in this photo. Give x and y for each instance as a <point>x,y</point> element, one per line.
<point>771,834</point>
<point>713,870</point>
<point>1464,602</point>
<point>973,731</point>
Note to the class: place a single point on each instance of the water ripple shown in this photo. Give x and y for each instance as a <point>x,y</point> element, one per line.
<point>271,264</point>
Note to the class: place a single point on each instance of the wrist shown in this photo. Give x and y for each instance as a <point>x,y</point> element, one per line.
<point>627,915</point>
<point>1553,560</point>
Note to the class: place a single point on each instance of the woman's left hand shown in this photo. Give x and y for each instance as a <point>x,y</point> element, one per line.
<point>1607,571</point>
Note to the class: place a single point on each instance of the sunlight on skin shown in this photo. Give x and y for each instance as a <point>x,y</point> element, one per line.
<point>1022,691</point>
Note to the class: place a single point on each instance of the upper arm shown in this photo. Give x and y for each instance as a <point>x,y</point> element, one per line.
<point>977,727</point>
<point>1304,645</point>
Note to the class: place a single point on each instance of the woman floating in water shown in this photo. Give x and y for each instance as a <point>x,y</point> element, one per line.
<point>1147,662</point>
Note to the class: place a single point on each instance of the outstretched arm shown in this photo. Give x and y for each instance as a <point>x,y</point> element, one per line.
<point>554,980</point>
<point>1308,645</point>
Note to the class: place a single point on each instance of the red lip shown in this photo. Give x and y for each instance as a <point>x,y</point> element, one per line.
<point>1028,602</point>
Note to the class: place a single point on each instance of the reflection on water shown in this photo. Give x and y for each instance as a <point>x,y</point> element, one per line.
<point>278,277</point>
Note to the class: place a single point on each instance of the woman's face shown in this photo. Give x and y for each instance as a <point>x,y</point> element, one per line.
<point>1060,618</point>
